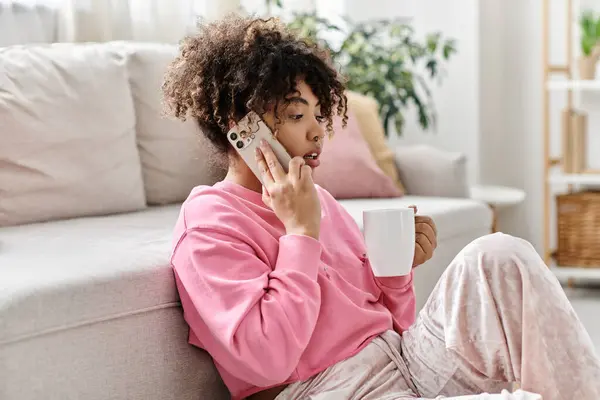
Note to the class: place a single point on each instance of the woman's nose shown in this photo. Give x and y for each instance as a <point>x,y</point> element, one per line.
<point>316,133</point>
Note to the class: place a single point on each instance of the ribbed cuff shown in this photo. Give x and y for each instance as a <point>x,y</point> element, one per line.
<point>299,253</point>
<point>395,282</point>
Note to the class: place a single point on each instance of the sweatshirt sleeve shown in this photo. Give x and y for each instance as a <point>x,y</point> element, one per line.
<point>254,320</point>
<point>399,298</point>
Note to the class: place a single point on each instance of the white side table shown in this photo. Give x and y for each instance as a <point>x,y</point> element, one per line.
<point>497,197</point>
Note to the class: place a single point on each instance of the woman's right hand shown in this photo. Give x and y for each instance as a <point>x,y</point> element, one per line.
<point>292,196</point>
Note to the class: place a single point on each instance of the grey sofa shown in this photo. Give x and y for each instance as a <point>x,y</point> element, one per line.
<point>88,304</point>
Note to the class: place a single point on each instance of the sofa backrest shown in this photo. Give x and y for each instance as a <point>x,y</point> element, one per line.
<point>174,155</point>
<point>82,133</point>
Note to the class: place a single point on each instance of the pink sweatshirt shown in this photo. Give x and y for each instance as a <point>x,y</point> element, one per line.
<point>273,308</point>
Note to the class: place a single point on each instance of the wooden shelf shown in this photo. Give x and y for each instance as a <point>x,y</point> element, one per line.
<point>574,179</point>
<point>565,274</point>
<point>562,79</point>
<point>590,85</point>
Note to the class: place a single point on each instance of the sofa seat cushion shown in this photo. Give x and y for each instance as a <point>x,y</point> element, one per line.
<point>61,274</point>
<point>97,294</point>
<point>452,216</point>
<point>58,275</point>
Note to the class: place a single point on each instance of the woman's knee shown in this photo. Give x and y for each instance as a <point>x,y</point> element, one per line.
<point>501,244</point>
<point>502,253</point>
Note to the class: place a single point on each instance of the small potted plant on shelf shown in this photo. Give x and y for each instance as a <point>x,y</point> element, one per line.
<point>590,48</point>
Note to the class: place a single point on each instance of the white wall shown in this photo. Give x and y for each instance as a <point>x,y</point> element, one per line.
<point>511,150</point>
<point>457,98</point>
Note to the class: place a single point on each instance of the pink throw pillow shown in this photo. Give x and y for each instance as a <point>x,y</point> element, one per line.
<point>347,169</point>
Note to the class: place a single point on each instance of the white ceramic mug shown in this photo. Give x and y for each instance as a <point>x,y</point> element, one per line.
<point>390,239</point>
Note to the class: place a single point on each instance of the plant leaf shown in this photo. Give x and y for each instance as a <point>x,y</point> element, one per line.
<point>431,67</point>
<point>399,122</point>
<point>588,23</point>
<point>587,45</point>
<point>432,41</point>
<point>449,48</point>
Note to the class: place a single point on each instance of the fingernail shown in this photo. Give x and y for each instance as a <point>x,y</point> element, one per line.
<point>257,152</point>
<point>263,142</point>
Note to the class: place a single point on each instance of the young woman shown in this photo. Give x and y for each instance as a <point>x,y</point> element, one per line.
<point>273,280</point>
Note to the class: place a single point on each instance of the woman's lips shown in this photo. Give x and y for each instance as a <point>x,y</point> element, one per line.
<point>312,159</point>
<point>312,162</point>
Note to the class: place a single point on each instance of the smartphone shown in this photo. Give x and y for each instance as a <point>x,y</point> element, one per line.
<point>245,137</point>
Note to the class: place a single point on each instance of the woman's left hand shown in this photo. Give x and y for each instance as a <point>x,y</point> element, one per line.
<point>425,238</point>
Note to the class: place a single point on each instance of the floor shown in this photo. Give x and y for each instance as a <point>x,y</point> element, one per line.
<point>586,302</point>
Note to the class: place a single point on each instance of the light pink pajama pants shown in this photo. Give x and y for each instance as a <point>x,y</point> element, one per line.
<point>497,320</point>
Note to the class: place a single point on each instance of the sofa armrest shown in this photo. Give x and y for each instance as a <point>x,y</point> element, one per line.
<point>428,171</point>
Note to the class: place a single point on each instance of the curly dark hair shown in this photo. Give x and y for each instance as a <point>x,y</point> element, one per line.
<point>241,64</point>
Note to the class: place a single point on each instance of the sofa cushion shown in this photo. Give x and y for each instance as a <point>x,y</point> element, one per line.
<point>366,110</point>
<point>429,171</point>
<point>91,269</point>
<point>67,134</point>
<point>84,270</point>
<point>94,289</point>
<point>453,217</point>
<point>348,170</point>
<point>175,155</point>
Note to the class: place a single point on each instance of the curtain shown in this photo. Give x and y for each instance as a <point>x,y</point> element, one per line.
<point>138,20</point>
<point>26,21</point>
<point>35,21</point>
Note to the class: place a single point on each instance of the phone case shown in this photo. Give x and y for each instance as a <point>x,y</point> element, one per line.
<point>245,137</point>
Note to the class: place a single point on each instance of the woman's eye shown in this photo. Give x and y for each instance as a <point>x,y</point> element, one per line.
<point>321,119</point>
<point>296,117</point>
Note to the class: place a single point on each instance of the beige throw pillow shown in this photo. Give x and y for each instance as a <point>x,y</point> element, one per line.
<point>175,156</point>
<point>428,171</point>
<point>366,110</point>
<point>67,137</point>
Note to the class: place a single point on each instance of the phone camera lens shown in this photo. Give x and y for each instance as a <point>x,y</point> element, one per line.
<point>233,136</point>
<point>240,144</point>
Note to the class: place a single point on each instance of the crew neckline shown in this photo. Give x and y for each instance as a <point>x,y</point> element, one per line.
<point>249,194</point>
<point>241,191</point>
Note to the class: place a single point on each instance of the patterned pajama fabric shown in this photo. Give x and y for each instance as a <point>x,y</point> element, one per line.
<point>498,325</point>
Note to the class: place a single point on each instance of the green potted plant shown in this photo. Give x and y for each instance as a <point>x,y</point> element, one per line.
<point>590,50</point>
<point>383,59</point>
